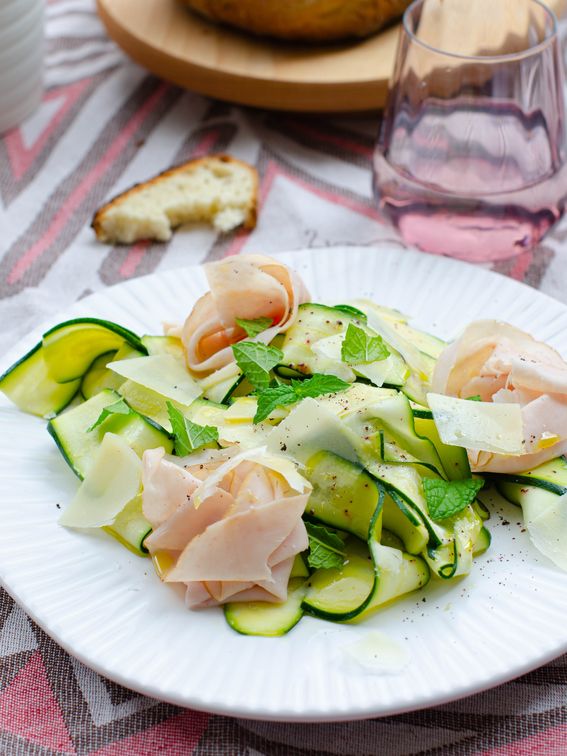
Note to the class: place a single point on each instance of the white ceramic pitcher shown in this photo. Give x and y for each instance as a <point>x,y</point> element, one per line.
<point>21,59</point>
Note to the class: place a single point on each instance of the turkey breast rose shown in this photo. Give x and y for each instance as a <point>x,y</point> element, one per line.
<point>502,364</point>
<point>233,536</point>
<point>247,287</point>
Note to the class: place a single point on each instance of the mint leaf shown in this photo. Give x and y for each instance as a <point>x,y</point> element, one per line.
<point>270,398</point>
<point>360,348</point>
<point>476,398</point>
<point>254,327</point>
<point>326,550</point>
<point>189,436</point>
<point>318,385</point>
<point>256,360</point>
<point>447,498</point>
<point>118,408</point>
<point>279,396</point>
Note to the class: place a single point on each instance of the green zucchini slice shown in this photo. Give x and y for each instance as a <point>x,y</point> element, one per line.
<point>344,496</point>
<point>313,322</point>
<point>70,348</point>
<point>98,377</point>
<point>220,385</point>
<point>267,619</point>
<point>29,384</point>
<point>372,576</point>
<point>425,342</point>
<point>551,476</point>
<point>78,445</point>
<point>401,520</point>
<point>399,574</point>
<point>483,542</point>
<point>392,421</point>
<point>300,568</point>
<point>341,594</point>
<point>453,458</point>
<point>131,528</point>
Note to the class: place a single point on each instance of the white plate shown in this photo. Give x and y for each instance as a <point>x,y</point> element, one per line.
<point>107,608</point>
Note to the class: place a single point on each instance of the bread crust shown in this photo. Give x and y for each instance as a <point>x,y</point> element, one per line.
<point>303,20</point>
<point>189,166</point>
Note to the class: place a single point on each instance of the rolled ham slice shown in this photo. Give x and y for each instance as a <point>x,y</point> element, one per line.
<point>240,542</point>
<point>247,287</point>
<point>203,595</point>
<point>238,547</point>
<point>166,487</point>
<point>501,363</point>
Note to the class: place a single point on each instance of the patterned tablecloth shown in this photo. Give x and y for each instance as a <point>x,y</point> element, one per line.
<point>105,124</point>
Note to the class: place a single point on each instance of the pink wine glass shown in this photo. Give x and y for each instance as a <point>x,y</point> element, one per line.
<point>471,157</point>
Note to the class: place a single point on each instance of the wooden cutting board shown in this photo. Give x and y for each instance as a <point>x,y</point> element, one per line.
<point>170,41</point>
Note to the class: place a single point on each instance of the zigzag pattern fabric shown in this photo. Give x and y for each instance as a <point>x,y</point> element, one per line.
<point>104,125</point>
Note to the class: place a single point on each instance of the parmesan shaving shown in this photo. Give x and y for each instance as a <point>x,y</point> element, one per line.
<point>481,426</point>
<point>161,373</point>
<point>114,479</point>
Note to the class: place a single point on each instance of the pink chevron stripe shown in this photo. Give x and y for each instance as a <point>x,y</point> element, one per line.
<point>206,144</point>
<point>177,736</point>
<point>550,742</point>
<point>22,157</point>
<point>80,192</point>
<point>236,245</point>
<point>133,259</point>
<point>29,709</point>
<point>521,266</point>
<point>349,145</point>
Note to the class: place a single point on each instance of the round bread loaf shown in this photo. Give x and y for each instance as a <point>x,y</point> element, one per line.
<point>303,20</point>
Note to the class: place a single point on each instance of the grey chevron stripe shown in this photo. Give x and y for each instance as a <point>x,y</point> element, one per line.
<point>318,135</point>
<point>10,187</point>
<point>150,86</point>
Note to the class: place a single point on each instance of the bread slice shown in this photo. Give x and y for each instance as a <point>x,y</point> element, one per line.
<point>218,189</point>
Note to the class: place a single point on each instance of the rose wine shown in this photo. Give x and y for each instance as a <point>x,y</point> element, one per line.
<point>471,156</point>
<point>476,179</point>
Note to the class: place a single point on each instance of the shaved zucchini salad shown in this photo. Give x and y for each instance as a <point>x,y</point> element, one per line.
<point>280,457</point>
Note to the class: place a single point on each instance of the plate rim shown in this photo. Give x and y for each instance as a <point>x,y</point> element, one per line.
<point>460,692</point>
<point>195,705</point>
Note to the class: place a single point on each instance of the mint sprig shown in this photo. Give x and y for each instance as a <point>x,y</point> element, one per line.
<point>279,396</point>
<point>256,360</point>
<point>118,408</point>
<point>189,436</point>
<point>254,327</point>
<point>361,348</point>
<point>326,550</point>
<point>272,398</point>
<point>447,498</point>
<point>318,385</point>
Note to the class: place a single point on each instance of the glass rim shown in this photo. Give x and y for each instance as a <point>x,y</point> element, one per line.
<point>502,58</point>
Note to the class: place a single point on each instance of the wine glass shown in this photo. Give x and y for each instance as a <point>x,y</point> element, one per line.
<point>471,157</point>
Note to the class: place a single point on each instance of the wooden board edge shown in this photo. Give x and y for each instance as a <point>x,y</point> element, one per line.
<point>275,95</point>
